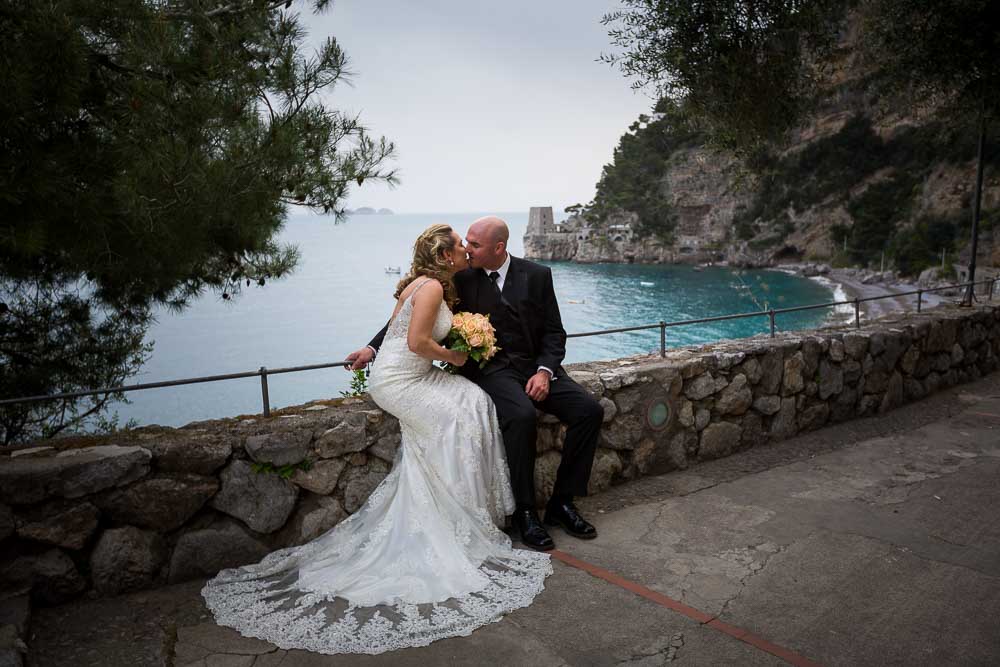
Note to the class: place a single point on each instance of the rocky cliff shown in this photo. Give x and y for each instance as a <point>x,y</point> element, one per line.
<point>850,183</point>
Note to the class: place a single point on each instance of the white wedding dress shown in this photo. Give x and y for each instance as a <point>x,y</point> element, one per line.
<point>424,558</point>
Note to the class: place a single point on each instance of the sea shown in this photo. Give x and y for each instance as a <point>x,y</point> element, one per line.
<point>340,295</point>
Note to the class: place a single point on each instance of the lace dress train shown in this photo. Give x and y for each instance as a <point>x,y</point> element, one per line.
<point>424,558</point>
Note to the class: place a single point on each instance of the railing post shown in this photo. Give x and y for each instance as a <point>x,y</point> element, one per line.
<point>770,315</point>
<point>920,299</point>
<point>263,391</point>
<point>663,339</point>
<point>857,313</point>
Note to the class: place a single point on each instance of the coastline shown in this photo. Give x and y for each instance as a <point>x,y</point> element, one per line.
<point>848,284</point>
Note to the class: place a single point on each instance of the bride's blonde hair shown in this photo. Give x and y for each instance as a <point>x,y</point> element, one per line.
<point>429,260</point>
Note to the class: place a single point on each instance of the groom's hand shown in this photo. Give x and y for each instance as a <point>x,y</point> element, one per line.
<point>360,358</point>
<point>538,386</point>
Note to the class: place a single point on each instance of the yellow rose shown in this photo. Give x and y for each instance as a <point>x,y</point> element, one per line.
<point>476,340</point>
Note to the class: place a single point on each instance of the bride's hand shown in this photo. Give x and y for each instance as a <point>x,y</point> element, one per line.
<point>459,358</point>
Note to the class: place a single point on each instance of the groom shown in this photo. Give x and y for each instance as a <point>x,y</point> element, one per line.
<point>526,374</point>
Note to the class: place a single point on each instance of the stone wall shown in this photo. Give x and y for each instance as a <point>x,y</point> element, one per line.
<point>158,505</point>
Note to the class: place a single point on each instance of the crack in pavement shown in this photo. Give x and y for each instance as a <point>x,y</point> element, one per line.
<point>754,571</point>
<point>658,653</point>
<point>912,552</point>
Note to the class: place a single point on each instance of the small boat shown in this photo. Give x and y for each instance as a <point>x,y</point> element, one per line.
<point>645,284</point>
<point>576,301</point>
<point>393,269</point>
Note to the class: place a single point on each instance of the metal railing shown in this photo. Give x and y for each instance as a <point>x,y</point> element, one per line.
<point>771,313</point>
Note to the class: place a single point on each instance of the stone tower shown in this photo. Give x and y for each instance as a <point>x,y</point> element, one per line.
<point>540,220</point>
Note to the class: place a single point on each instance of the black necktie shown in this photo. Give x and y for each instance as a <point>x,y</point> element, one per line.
<point>495,279</point>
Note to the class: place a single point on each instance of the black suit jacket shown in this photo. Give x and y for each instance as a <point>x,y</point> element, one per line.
<point>528,289</point>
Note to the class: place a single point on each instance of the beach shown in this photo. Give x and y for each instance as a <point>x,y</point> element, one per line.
<point>849,284</point>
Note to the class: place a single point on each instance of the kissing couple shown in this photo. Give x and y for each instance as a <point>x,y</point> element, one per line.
<point>426,557</point>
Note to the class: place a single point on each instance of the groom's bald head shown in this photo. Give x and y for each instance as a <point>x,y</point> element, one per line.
<point>492,228</point>
<point>486,242</point>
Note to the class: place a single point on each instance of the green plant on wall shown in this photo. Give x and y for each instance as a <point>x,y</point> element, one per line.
<point>284,472</point>
<point>359,384</point>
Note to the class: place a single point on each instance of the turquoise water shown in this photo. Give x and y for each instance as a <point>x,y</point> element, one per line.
<point>340,296</point>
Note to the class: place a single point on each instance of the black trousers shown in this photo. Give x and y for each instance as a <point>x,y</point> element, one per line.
<point>567,401</point>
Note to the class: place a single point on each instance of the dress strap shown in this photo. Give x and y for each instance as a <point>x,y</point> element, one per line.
<point>419,287</point>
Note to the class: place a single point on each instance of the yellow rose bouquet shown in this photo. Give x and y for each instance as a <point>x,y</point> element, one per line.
<point>472,333</point>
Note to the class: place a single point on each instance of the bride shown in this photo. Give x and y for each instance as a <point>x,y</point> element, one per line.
<point>424,558</point>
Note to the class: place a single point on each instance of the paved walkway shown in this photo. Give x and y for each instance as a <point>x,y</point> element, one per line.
<point>875,542</point>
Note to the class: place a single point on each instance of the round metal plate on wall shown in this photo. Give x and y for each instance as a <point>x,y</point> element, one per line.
<point>659,413</point>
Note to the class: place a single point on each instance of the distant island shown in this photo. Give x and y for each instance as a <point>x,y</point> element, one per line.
<point>367,210</point>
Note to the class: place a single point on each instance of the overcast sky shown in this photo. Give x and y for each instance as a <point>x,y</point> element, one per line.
<point>492,106</point>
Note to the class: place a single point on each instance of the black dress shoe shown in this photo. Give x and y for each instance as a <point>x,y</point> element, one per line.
<point>566,515</point>
<point>533,534</point>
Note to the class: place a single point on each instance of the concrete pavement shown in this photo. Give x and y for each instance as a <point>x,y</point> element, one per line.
<point>875,542</point>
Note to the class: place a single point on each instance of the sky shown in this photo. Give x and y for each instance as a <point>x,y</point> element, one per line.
<point>491,106</point>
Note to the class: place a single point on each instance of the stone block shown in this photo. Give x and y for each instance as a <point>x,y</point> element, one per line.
<point>610,409</point>
<point>767,405</point>
<point>607,466</point>
<point>700,387</point>
<point>941,362</point>
<point>263,501</point>
<point>876,382</point>
<point>868,404</point>
<point>852,371</point>
<point>627,400</point>
<point>70,474</point>
<point>675,457</point>
<point>314,516</point>
<point>855,345</point>
<point>793,380</point>
<point>385,447</point>
<point>941,336</point>
<point>358,484</point>
<point>589,381</point>
<point>624,432</point>
<point>161,502</point>
<point>751,368</point>
<point>957,354</point>
<point>194,453</point>
<point>813,416</point>
<point>62,523</point>
<point>280,448</point>
<point>913,389</point>
<point>812,349</point>
<point>831,379</point>
<point>203,552</point>
<point>736,398</point>
<point>701,418</point>
<point>51,577</point>
<point>126,559</point>
<point>347,436</point>
<point>753,433</point>
<point>685,415</point>
<point>783,424</point>
<point>893,396</point>
<point>545,475</point>
<point>908,362</point>
<point>772,367</point>
<point>322,477</point>
<point>719,439</point>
